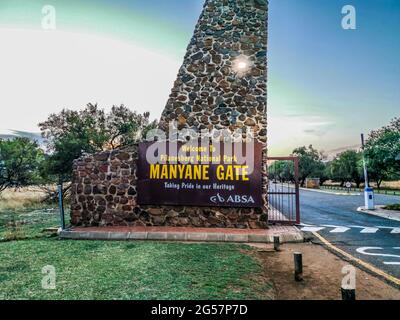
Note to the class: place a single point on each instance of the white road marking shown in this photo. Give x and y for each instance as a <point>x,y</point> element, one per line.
<point>366,229</point>
<point>341,229</point>
<point>394,229</point>
<point>363,250</point>
<point>337,229</point>
<point>312,229</point>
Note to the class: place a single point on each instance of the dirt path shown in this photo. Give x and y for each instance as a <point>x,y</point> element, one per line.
<point>322,275</point>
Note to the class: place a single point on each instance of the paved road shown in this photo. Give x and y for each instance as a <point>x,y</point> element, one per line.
<point>372,239</point>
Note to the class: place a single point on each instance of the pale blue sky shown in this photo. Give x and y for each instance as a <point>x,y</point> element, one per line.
<point>326,84</point>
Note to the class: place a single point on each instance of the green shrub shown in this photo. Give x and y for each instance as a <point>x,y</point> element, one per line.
<point>393,207</point>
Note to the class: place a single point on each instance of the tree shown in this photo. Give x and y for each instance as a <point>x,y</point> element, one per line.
<point>125,127</point>
<point>70,134</point>
<point>282,171</point>
<point>347,166</point>
<point>310,162</point>
<point>381,152</point>
<point>19,162</point>
<point>323,172</point>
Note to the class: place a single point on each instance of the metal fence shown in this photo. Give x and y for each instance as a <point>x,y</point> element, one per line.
<point>283,190</point>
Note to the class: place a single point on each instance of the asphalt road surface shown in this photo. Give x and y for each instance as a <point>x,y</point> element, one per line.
<point>335,217</point>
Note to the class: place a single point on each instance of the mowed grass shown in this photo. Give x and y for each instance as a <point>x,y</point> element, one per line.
<point>121,270</point>
<point>130,270</point>
<point>27,224</point>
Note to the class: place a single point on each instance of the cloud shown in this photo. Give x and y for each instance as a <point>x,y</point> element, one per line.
<point>11,134</point>
<point>317,127</point>
<point>290,131</point>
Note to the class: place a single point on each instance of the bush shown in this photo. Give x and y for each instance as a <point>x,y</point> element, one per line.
<point>393,207</point>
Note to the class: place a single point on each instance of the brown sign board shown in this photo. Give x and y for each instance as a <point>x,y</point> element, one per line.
<point>212,175</point>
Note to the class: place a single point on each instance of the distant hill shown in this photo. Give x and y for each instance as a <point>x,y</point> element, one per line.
<point>11,134</point>
<point>331,154</point>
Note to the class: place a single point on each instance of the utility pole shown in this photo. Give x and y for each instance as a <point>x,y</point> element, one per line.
<point>364,162</point>
<point>368,191</point>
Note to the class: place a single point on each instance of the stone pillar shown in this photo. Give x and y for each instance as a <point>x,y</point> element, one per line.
<point>221,84</point>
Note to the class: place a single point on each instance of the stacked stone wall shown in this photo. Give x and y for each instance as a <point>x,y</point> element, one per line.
<point>104,194</point>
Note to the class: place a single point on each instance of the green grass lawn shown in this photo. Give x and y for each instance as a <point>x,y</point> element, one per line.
<point>390,192</point>
<point>26,224</point>
<point>393,207</point>
<point>124,270</point>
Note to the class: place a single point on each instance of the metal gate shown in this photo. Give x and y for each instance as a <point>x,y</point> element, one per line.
<point>283,190</point>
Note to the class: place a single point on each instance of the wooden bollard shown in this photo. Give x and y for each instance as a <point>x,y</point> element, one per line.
<point>298,266</point>
<point>276,243</point>
<point>348,294</point>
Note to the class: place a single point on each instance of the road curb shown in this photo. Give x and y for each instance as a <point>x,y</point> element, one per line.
<point>333,193</point>
<point>366,266</point>
<point>289,237</point>
<point>379,213</point>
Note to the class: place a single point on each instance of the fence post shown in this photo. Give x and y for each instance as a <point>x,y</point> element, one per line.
<point>348,294</point>
<point>297,188</point>
<point>298,266</point>
<point>276,243</point>
<point>61,206</point>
